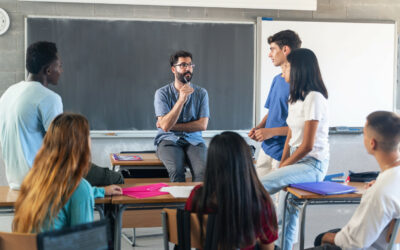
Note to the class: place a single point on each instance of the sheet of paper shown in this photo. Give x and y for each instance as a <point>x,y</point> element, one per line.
<point>178,191</point>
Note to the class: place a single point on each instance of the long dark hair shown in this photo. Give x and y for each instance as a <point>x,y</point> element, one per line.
<point>305,75</point>
<point>232,189</point>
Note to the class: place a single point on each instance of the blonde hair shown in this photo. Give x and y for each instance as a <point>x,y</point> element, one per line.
<point>58,168</point>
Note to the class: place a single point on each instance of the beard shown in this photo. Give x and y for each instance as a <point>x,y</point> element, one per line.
<point>184,77</point>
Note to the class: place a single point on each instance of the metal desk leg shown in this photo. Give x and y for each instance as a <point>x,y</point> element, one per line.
<point>119,209</point>
<point>284,219</point>
<point>302,223</point>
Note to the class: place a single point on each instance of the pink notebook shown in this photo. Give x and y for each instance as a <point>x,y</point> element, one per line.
<point>145,191</point>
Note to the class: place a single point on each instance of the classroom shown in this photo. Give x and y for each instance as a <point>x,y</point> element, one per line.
<point>347,150</point>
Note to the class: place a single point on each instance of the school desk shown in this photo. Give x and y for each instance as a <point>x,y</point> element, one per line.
<point>8,197</point>
<point>148,210</point>
<point>150,161</point>
<point>300,199</point>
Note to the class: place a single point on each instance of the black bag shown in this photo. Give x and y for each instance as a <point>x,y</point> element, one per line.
<point>363,176</point>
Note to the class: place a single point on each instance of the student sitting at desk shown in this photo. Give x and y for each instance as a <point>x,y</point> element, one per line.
<point>381,202</point>
<point>305,156</point>
<point>54,194</point>
<point>232,189</point>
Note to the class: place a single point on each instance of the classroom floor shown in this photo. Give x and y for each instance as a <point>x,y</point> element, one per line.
<point>318,219</point>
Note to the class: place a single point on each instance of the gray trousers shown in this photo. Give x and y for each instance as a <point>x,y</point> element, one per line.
<point>175,156</point>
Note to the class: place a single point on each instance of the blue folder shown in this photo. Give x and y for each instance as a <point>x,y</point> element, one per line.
<point>325,187</point>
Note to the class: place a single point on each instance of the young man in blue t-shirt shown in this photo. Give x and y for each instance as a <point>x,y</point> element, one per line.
<point>272,130</point>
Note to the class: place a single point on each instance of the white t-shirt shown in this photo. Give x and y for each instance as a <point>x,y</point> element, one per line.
<point>367,229</point>
<point>314,107</point>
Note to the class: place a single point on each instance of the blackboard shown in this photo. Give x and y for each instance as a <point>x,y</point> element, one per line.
<point>112,68</point>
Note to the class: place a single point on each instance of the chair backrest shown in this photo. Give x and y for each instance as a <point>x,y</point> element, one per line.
<point>174,231</point>
<point>393,236</point>
<point>94,235</point>
<point>17,241</point>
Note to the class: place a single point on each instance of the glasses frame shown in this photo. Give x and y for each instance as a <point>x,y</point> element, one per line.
<point>185,65</point>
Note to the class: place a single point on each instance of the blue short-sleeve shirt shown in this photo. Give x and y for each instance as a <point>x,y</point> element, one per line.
<point>196,107</point>
<point>277,105</point>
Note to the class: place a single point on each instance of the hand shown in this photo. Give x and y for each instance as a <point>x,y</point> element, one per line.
<point>328,238</point>
<point>369,184</point>
<point>113,190</point>
<point>158,124</point>
<point>262,134</point>
<point>251,133</point>
<point>184,92</point>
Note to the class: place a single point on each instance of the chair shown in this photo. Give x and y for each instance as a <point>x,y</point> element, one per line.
<point>89,236</point>
<point>182,228</point>
<point>17,241</point>
<point>393,236</point>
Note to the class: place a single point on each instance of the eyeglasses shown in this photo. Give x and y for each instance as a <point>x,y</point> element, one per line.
<point>185,65</point>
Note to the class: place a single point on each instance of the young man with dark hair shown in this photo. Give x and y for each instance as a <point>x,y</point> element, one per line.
<point>26,111</point>
<point>381,202</point>
<point>272,130</point>
<point>182,112</point>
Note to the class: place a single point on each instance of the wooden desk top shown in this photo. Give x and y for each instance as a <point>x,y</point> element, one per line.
<point>302,194</point>
<point>149,159</point>
<point>8,197</point>
<point>156,199</point>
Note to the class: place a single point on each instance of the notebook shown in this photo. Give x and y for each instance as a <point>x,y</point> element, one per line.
<point>325,187</point>
<point>127,157</point>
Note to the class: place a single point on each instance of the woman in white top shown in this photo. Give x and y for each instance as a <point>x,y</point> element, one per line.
<point>305,156</point>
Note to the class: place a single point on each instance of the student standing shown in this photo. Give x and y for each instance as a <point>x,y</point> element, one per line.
<point>182,113</point>
<point>26,111</point>
<point>305,157</point>
<point>272,130</point>
<point>54,194</point>
<point>232,189</point>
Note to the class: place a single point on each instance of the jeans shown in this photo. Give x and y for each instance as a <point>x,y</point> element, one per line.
<point>175,156</point>
<point>307,169</point>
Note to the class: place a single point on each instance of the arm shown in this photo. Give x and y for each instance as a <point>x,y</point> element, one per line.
<point>328,238</point>
<point>266,133</point>
<point>286,148</point>
<point>193,126</point>
<point>260,125</point>
<point>310,129</point>
<point>166,122</point>
<point>369,220</point>
<point>49,108</point>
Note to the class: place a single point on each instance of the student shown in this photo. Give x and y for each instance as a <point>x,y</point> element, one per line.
<point>272,130</point>
<point>54,194</point>
<point>232,189</point>
<point>182,113</point>
<point>305,156</point>
<point>380,204</point>
<point>26,111</point>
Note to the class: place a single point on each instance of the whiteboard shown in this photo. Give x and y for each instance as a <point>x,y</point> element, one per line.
<point>357,62</point>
